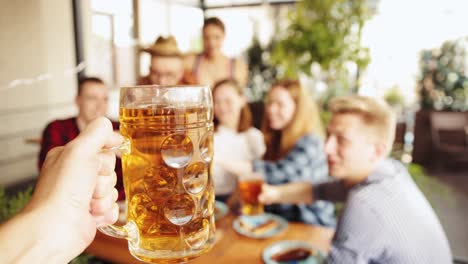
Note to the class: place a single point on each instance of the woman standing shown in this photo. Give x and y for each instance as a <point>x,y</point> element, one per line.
<point>212,65</point>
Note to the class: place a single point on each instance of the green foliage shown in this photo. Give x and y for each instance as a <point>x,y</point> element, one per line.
<point>443,84</point>
<point>262,73</point>
<point>85,259</point>
<point>325,117</point>
<point>426,183</point>
<point>12,204</point>
<point>394,97</point>
<point>429,185</point>
<point>327,32</point>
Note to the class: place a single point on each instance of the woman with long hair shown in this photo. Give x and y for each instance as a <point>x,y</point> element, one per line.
<point>235,138</point>
<point>294,140</point>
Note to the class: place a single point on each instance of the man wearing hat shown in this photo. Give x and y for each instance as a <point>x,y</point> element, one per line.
<point>167,67</point>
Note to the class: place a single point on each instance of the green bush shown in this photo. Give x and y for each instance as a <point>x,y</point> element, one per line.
<point>429,185</point>
<point>327,34</point>
<point>10,205</point>
<point>443,84</point>
<point>394,97</point>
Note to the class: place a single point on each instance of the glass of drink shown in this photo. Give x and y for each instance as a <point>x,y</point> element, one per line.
<point>167,172</point>
<point>250,188</point>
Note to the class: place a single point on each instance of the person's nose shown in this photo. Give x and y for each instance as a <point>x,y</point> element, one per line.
<point>271,110</point>
<point>330,145</point>
<point>212,43</point>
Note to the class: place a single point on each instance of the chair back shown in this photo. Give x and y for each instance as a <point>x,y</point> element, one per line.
<point>453,124</point>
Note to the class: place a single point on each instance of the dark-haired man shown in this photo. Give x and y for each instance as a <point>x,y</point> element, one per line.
<point>92,101</point>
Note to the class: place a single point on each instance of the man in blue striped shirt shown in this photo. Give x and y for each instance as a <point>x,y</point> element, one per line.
<point>386,218</point>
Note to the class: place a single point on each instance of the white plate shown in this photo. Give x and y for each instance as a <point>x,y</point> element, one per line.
<point>282,224</point>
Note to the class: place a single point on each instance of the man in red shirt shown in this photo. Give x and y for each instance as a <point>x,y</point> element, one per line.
<point>92,102</point>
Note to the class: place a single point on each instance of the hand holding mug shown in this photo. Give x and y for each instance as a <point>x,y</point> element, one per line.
<point>74,194</point>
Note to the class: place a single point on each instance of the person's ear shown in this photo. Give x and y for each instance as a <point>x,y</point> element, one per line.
<point>380,150</point>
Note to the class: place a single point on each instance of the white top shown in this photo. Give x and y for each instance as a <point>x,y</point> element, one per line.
<point>229,144</point>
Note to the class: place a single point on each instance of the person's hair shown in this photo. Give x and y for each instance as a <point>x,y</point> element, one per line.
<point>306,120</point>
<point>214,21</point>
<point>85,80</point>
<point>376,115</point>
<point>245,119</point>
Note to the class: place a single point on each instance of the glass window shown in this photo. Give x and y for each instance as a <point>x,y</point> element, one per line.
<point>111,44</point>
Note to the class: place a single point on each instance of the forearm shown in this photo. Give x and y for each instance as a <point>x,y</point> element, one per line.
<point>27,238</point>
<point>238,168</point>
<point>295,193</point>
<point>333,191</point>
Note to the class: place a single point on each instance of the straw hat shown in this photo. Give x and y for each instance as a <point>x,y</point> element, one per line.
<point>164,47</point>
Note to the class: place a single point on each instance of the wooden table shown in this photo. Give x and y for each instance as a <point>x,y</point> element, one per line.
<point>229,248</point>
<point>33,141</point>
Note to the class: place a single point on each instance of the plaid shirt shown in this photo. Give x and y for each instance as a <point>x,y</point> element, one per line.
<point>386,219</point>
<point>306,162</point>
<point>60,132</point>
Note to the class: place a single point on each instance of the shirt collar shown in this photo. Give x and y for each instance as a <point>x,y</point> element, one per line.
<point>386,168</point>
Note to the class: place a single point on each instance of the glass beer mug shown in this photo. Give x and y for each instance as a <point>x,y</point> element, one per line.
<point>250,188</point>
<point>167,172</point>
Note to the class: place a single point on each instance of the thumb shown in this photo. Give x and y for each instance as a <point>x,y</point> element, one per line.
<point>97,135</point>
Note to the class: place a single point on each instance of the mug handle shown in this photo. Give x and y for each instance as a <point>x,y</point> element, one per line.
<point>129,228</point>
<point>128,231</point>
<point>115,231</point>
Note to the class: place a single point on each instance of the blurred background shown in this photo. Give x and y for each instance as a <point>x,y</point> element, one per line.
<point>410,53</point>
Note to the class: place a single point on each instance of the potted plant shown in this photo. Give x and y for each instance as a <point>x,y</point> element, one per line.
<point>442,86</point>
<point>323,42</point>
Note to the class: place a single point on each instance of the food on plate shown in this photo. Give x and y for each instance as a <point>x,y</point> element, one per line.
<point>293,254</point>
<point>259,229</point>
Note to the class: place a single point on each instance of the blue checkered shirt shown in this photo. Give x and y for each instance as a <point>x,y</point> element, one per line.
<point>306,162</point>
<point>386,219</point>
